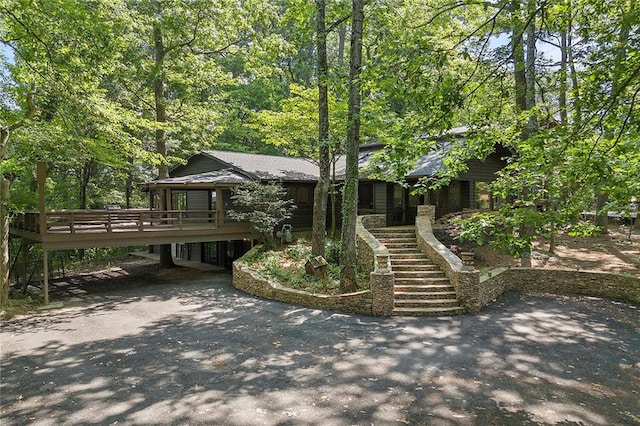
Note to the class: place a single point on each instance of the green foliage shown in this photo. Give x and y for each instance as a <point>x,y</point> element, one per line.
<point>272,268</point>
<point>509,232</point>
<point>583,229</point>
<point>242,74</point>
<point>286,266</point>
<point>332,250</point>
<point>294,127</point>
<point>262,205</point>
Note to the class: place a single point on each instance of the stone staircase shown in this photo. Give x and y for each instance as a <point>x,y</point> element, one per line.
<point>421,287</point>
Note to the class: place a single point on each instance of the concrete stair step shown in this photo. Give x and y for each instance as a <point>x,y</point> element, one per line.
<point>417,312</point>
<point>393,231</point>
<point>415,255</point>
<point>403,250</point>
<point>409,261</point>
<point>414,267</point>
<point>422,281</point>
<point>418,274</point>
<point>411,295</point>
<point>401,239</point>
<point>411,245</point>
<point>423,288</point>
<point>392,238</point>
<point>426,303</point>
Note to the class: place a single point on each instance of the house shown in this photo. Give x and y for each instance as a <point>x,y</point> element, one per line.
<point>468,191</point>
<point>206,181</point>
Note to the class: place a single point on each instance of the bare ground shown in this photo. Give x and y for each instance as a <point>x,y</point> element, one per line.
<point>617,251</point>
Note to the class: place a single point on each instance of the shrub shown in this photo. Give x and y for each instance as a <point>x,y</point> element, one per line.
<point>262,205</point>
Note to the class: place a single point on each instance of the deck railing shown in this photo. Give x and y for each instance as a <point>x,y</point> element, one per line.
<point>124,220</point>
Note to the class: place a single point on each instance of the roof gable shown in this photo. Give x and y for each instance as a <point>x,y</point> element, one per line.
<point>268,167</point>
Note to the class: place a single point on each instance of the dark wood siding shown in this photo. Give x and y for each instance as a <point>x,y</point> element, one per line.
<point>198,164</point>
<point>380,197</point>
<point>302,194</point>
<point>198,200</point>
<point>483,171</point>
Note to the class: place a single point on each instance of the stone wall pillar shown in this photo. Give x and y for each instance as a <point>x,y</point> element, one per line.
<point>381,284</point>
<point>429,211</point>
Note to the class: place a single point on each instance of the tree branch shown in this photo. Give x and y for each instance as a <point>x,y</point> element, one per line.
<point>28,115</point>
<point>337,23</point>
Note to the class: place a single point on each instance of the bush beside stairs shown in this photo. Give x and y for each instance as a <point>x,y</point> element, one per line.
<point>421,287</point>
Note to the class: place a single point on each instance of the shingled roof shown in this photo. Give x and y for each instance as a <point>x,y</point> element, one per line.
<point>226,176</point>
<point>269,167</point>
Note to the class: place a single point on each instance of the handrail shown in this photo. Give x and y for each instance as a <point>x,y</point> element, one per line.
<point>377,253</point>
<point>117,220</point>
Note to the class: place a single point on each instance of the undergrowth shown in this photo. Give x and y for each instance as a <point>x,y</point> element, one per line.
<point>286,266</point>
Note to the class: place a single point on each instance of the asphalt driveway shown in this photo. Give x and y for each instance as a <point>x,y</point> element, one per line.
<point>190,349</point>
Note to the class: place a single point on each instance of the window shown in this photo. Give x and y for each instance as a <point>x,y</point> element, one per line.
<point>299,195</point>
<point>156,200</point>
<point>213,196</point>
<point>302,197</point>
<point>365,198</point>
<point>178,200</point>
<point>210,253</point>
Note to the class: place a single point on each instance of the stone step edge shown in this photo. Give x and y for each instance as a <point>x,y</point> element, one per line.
<point>443,293</point>
<point>427,311</point>
<point>427,301</point>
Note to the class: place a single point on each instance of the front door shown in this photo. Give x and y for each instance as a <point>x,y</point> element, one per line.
<point>398,206</point>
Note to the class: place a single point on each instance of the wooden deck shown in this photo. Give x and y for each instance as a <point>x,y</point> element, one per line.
<point>76,229</point>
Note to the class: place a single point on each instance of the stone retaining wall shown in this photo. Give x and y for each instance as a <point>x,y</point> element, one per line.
<point>373,256</point>
<point>367,247</point>
<point>250,282</point>
<point>465,280</point>
<point>560,281</point>
<point>474,291</point>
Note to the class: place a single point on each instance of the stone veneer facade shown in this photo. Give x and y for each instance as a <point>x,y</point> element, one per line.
<point>249,281</point>
<point>372,256</point>
<point>474,291</point>
<point>464,279</point>
<point>560,281</point>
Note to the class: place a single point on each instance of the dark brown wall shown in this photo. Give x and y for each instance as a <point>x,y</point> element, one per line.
<point>198,164</point>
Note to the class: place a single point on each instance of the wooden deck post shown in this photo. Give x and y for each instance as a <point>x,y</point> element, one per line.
<point>45,278</point>
<point>25,259</point>
<point>219,208</point>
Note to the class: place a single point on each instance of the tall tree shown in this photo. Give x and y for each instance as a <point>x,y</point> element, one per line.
<point>348,257</point>
<point>5,134</point>
<point>56,51</point>
<point>324,160</point>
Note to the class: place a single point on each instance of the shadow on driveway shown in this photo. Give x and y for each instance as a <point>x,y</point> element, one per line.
<point>197,351</point>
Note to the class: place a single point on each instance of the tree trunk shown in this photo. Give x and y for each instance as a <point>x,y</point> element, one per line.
<point>530,75</point>
<point>166,259</point>
<point>334,208</point>
<point>322,187</point>
<point>348,258</point>
<point>342,37</point>
<point>562,97</point>
<point>576,109</point>
<point>85,177</point>
<point>129,185</point>
<point>4,241</point>
<point>5,135</point>
<point>602,219</point>
<point>517,53</point>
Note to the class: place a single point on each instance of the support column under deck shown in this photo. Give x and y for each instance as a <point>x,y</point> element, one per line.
<point>45,276</point>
